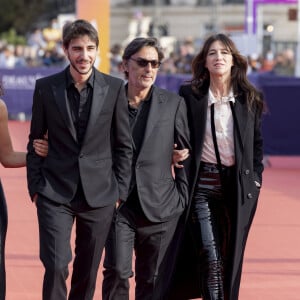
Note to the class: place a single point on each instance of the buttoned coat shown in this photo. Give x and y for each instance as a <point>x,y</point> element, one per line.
<point>103,162</point>
<point>249,168</point>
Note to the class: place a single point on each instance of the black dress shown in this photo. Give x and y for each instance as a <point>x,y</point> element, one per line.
<point>3,229</point>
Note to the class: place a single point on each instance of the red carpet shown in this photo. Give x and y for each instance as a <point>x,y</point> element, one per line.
<point>272,259</point>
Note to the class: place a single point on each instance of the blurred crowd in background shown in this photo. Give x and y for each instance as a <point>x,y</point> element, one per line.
<point>179,60</point>
<point>44,49</point>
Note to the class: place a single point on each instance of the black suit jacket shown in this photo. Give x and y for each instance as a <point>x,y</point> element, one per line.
<point>103,162</point>
<point>161,197</point>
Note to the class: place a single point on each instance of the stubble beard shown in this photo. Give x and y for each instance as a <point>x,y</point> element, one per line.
<point>81,72</point>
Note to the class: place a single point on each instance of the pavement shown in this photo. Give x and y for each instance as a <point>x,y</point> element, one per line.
<point>272,259</point>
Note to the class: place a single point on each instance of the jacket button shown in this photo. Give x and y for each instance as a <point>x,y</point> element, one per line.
<point>247,172</point>
<point>249,196</point>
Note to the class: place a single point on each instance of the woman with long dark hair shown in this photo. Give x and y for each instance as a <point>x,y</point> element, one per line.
<point>225,170</point>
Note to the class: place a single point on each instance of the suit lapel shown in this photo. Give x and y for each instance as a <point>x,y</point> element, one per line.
<point>241,121</point>
<point>99,94</point>
<point>61,99</point>
<point>241,112</point>
<point>199,117</point>
<point>155,111</point>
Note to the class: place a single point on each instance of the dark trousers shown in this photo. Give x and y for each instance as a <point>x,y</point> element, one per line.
<point>55,226</point>
<point>212,217</point>
<point>132,231</point>
<point>3,230</point>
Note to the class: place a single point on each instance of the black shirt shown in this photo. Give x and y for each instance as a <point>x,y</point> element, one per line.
<point>138,118</point>
<point>80,103</point>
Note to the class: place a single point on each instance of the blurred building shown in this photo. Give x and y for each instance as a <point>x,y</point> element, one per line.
<point>276,23</point>
<point>276,28</point>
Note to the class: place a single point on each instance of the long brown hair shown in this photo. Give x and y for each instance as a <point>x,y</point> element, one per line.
<point>239,81</point>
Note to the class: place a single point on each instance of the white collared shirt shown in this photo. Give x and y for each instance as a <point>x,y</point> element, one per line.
<point>224,131</point>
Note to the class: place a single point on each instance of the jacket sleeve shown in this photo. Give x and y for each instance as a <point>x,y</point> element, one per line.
<point>182,133</point>
<point>182,139</point>
<point>38,128</point>
<point>122,145</point>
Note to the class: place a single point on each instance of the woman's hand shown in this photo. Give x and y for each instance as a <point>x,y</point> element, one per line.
<point>41,146</point>
<point>179,156</point>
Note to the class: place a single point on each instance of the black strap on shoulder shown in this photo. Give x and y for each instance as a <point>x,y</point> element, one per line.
<point>213,131</point>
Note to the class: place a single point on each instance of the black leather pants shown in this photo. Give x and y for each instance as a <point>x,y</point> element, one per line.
<point>3,229</point>
<point>211,219</point>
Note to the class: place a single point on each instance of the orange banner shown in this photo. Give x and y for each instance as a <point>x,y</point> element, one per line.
<point>98,13</point>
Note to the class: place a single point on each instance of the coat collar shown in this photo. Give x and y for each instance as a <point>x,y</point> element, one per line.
<point>199,116</point>
<point>240,109</point>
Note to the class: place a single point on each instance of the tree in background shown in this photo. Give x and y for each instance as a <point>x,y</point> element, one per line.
<point>24,15</point>
<point>20,14</point>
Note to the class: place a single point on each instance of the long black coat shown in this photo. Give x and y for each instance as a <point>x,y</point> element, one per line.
<point>249,168</point>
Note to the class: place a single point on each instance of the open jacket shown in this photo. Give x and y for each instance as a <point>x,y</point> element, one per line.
<point>161,196</point>
<point>249,168</point>
<point>102,162</point>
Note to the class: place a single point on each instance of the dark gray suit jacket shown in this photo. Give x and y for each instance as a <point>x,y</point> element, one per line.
<point>162,197</point>
<point>103,162</point>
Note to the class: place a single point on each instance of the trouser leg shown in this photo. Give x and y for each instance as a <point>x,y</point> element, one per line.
<point>207,200</point>
<point>152,246</point>
<point>118,257</point>
<point>109,272</point>
<point>55,225</point>
<point>132,231</point>
<point>92,226</point>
